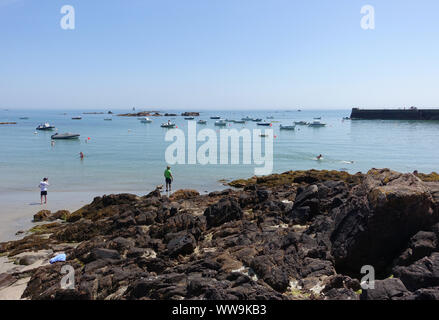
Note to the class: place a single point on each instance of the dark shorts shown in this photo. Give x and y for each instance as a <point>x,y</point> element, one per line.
<point>44,193</point>
<point>168,181</point>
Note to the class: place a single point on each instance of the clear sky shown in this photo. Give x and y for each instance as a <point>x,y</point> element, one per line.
<point>218,54</point>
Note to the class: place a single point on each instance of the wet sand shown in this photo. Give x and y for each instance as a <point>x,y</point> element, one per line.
<point>17,208</point>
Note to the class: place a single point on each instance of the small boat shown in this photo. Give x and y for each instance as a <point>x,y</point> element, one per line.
<point>65,136</point>
<point>24,118</point>
<point>215,118</point>
<point>270,117</point>
<point>220,123</point>
<point>264,124</point>
<point>229,120</point>
<point>301,123</point>
<point>45,126</point>
<point>77,118</point>
<point>346,118</point>
<point>168,125</point>
<point>319,118</point>
<point>256,120</point>
<point>287,127</point>
<point>189,118</point>
<point>146,120</point>
<point>247,119</point>
<point>239,121</point>
<point>317,123</point>
<point>108,119</point>
<point>263,135</point>
<point>202,122</point>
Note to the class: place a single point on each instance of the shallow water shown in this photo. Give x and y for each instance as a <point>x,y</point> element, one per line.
<point>125,155</point>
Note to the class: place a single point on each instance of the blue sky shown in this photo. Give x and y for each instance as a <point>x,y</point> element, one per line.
<point>218,54</point>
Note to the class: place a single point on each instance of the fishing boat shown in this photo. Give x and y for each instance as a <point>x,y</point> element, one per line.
<point>65,136</point>
<point>146,120</point>
<point>247,119</point>
<point>189,118</point>
<point>317,123</point>
<point>77,118</point>
<point>168,125</point>
<point>287,127</point>
<point>202,122</point>
<point>215,118</point>
<point>220,123</point>
<point>46,126</point>
<point>266,124</point>
<point>301,123</point>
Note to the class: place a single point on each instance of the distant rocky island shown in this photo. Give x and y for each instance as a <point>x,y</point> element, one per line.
<point>294,236</point>
<point>158,114</point>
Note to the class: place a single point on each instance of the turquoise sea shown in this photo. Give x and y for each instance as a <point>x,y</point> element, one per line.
<point>125,155</point>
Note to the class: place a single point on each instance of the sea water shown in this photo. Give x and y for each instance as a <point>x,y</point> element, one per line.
<point>125,155</point>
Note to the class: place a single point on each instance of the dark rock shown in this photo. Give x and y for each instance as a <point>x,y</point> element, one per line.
<point>42,215</point>
<point>182,245</point>
<point>388,289</point>
<point>378,219</point>
<point>101,253</point>
<point>423,273</point>
<point>227,209</point>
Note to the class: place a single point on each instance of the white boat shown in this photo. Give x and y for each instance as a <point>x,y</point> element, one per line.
<point>256,119</point>
<point>220,123</point>
<point>287,127</point>
<point>317,123</point>
<point>65,136</point>
<point>45,126</point>
<point>146,120</point>
<point>168,125</point>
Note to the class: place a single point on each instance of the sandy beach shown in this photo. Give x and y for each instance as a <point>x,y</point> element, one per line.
<point>18,208</point>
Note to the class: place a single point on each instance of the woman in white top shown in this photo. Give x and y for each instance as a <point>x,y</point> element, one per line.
<point>43,187</point>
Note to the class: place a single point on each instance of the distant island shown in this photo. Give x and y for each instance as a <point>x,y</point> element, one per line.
<point>395,114</point>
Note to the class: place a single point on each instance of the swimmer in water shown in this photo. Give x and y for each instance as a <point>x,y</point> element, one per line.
<point>81,156</point>
<point>319,157</point>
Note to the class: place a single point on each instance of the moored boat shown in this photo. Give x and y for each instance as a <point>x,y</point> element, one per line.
<point>168,125</point>
<point>287,127</point>
<point>215,118</point>
<point>202,122</point>
<point>65,136</point>
<point>46,126</point>
<point>266,124</point>
<point>146,120</point>
<point>317,123</point>
<point>220,123</point>
<point>301,123</point>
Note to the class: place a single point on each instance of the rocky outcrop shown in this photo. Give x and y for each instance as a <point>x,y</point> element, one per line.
<point>293,236</point>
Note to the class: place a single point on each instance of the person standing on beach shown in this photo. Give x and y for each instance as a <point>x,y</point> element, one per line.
<point>43,188</point>
<point>168,178</point>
